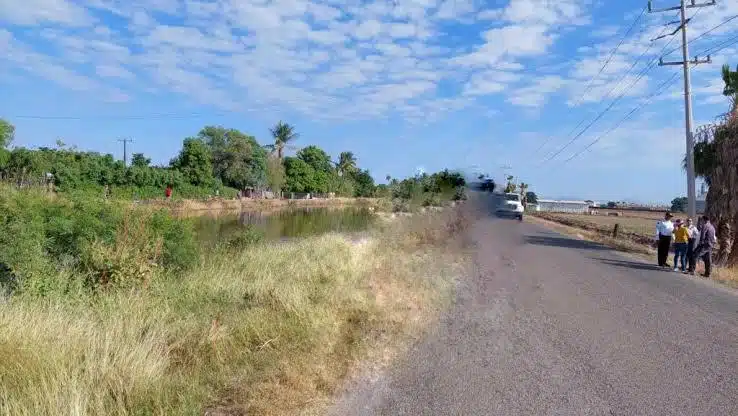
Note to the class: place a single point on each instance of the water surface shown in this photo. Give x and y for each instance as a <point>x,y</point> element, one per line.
<point>286,224</point>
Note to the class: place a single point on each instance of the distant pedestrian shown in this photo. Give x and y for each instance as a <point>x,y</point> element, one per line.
<point>168,192</point>
<point>681,243</point>
<point>694,235</point>
<point>706,244</point>
<point>664,233</point>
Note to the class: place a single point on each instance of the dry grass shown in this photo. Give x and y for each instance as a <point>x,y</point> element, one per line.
<point>272,330</point>
<point>639,229</point>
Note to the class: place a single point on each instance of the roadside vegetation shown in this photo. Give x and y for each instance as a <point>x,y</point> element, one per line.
<point>118,310</point>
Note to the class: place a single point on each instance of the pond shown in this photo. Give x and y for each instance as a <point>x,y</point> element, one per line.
<point>287,224</point>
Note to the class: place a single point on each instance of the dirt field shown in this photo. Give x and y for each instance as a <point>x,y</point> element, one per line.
<point>634,225</point>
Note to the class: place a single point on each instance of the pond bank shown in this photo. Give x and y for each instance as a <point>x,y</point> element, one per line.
<point>195,207</point>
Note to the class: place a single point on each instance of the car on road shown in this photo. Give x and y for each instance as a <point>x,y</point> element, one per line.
<point>510,205</point>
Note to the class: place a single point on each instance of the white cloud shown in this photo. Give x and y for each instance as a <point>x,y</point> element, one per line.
<point>113,71</point>
<point>318,57</point>
<point>534,96</point>
<point>34,12</point>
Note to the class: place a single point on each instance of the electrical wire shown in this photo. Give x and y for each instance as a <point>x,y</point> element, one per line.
<point>702,35</point>
<point>722,45</point>
<point>588,87</point>
<point>647,69</point>
<point>665,85</point>
<point>640,76</point>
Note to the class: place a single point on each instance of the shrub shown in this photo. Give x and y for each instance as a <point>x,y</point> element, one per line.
<point>108,242</point>
<point>247,237</point>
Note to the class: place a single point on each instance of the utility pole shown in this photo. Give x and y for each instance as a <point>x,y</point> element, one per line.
<point>125,149</point>
<point>685,62</point>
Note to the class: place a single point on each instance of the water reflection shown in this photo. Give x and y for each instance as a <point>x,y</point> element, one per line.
<point>285,224</point>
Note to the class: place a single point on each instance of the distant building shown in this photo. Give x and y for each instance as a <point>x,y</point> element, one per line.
<point>573,207</point>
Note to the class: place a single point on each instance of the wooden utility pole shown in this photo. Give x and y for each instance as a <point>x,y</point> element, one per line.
<point>685,62</point>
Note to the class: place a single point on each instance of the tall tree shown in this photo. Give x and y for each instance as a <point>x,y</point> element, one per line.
<point>283,134</point>
<point>346,163</point>
<point>730,78</point>
<point>139,160</point>
<point>364,184</point>
<point>237,159</point>
<point>300,176</point>
<point>679,204</point>
<point>275,173</point>
<point>195,162</point>
<point>317,158</point>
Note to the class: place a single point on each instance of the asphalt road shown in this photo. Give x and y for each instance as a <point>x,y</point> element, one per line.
<point>549,325</point>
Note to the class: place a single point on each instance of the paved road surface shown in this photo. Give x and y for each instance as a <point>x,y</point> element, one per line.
<point>548,325</point>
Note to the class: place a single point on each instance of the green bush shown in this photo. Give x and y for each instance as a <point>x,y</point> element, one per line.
<point>247,237</point>
<point>109,242</point>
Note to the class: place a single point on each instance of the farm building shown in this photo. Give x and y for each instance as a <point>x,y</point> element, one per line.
<point>574,207</point>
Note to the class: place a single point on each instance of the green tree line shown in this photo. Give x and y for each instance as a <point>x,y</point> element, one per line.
<point>217,160</point>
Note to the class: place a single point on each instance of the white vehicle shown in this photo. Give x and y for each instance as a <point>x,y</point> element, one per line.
<point>511,205</point>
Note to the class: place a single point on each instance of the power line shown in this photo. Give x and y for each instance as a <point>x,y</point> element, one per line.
<point>643,72</point>
<point>723,45</point>
<point>647,101</point>
<point>702,35</point>
<point>601,114</point>
<point>587,88</point>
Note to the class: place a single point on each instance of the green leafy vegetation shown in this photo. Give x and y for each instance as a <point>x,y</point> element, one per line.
<point>427,190</point>
<point>69,244</point>
<point>217,161</point>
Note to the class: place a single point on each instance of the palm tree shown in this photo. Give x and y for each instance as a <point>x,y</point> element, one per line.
<point>346,163</point>
<point>731,87</point>
<point>283,134</point>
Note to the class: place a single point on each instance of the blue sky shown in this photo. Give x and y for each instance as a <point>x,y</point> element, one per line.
<point>462,84</point>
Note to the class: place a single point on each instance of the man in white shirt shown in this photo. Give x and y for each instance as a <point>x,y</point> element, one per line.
<point>664,233</point>
<point>694,235</point>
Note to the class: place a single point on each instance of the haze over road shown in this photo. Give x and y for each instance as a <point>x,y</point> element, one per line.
<point>549,325</point>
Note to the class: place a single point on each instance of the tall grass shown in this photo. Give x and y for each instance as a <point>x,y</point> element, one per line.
<point>271,329</point>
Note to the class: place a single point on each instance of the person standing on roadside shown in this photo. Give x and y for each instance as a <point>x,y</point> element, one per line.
<point>706,244</point>
<point>694,235</point>
<point>681,241</point>
<point>664,233</point>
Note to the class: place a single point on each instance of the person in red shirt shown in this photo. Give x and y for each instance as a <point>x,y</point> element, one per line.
<point>168,192</point>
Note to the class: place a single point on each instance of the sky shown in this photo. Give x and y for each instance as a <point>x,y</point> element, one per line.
<point>496,87</point>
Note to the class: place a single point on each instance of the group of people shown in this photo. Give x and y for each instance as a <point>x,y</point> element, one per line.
<point>691,243</point>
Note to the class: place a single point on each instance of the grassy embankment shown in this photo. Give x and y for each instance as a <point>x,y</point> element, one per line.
<point>635,234</point>
<point>260,205</point>
<point>117,311</point>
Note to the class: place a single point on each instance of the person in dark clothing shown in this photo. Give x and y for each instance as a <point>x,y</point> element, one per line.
<point>664,233</point>
<point>706,244</point>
